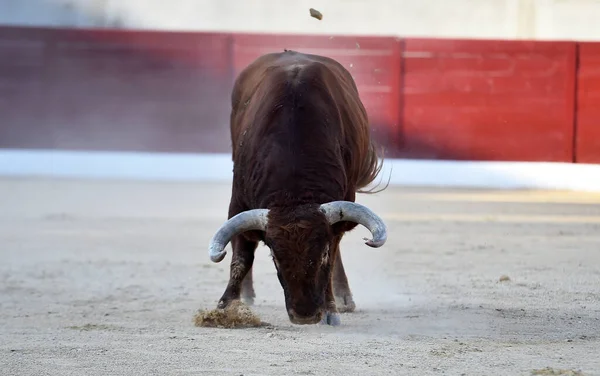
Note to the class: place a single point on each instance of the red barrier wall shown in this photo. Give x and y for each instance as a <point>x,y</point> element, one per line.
<point>170,92</point>
<point>489,100</point>
<point>588,94</point>
<point>114,90</point>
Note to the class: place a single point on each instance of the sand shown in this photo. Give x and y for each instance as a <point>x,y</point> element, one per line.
<point>101,278</point>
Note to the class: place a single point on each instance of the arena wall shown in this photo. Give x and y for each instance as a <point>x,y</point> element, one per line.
<point>146,92</point>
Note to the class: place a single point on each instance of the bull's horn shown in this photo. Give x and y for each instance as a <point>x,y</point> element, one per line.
<point>255,219</point>
<point>337,211</point>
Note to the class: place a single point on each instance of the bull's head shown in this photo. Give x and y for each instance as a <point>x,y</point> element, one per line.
<point>299,241</point>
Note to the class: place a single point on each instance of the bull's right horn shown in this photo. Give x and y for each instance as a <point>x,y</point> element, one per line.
<point>255,219</point>
<point>337,211</point>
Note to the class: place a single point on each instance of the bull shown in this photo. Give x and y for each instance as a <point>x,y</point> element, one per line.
<point>301,150</point>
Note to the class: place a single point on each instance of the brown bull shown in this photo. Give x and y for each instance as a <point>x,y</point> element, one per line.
<point>301,151</point>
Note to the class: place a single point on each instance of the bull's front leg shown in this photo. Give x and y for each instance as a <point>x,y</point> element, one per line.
<point>241,263</point>
<point>341,288</point>
<point>248,293</point>
<point>331,316</point>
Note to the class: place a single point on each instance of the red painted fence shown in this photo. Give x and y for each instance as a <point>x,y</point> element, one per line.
<point>588,104</point>
<point>489,100</point>
<point>426,98</point>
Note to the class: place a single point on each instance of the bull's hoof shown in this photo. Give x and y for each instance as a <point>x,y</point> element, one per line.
<point>345,303</point>
<point>331,318</point>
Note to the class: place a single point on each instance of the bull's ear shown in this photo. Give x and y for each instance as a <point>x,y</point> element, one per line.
<point>256,219</point>
<point>337,211</point>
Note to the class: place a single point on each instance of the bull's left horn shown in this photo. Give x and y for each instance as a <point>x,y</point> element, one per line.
<point>337,211</point>
<point>255,219</point>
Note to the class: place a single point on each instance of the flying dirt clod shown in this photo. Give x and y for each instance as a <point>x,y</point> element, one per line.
<point>316,14</point>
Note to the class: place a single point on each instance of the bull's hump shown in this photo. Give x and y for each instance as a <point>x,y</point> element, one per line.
<point>290,59</point>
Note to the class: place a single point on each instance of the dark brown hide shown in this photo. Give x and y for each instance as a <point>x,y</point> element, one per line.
<point>300,138</point>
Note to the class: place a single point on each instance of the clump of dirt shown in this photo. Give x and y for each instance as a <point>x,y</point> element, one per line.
<point>504,278</point>
<point>554,371</point>
<point>236,315</point>
<point>88,327</point>
<point>316,14</point>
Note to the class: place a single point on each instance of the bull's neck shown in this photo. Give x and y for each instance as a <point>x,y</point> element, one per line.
<point>303,175</point>
<point>299,158</point>
<point>286,198</point>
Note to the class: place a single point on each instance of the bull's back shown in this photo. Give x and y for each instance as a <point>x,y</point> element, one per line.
<point>258,80</point>
<point>255,78</point>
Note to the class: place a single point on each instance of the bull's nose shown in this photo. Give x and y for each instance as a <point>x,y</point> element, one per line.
<point>304,320</point>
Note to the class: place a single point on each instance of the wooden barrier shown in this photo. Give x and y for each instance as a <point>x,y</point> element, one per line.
<point>426,98</point>
<point>114,90</point>
<point>489,100</point>
<point>588,104</point>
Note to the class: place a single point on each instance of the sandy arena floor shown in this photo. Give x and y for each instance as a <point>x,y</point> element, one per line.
<point>102,278</point>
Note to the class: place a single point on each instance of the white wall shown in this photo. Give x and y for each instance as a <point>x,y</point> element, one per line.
<point>505,19</point>
<point>219,167</point>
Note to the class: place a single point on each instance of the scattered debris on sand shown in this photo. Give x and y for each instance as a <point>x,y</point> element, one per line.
<point>504,278</point>
<point>88,327</point>
<point>557,372</point>
<point>236,315</point>
<point>316,14</point>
